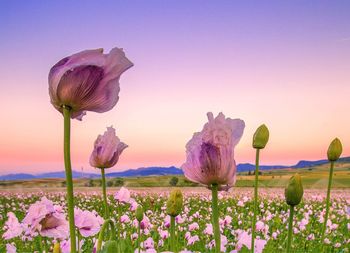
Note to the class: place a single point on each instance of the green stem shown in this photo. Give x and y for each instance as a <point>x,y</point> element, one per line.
<point>290,228</point>
<point>172,234</point>
<point>215,210</point>
<point>40,244</point>
<point>102,232</point>
<point>327,202</point>
<point>78,234</point>
<point>139,237</point>
<point>256,182</point>
<point>105,203</point>
<point>69,184</point>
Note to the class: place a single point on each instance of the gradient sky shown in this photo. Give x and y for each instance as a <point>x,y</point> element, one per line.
<point>283,63</point>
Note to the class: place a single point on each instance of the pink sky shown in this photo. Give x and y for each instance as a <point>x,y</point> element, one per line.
<point>262,66</point>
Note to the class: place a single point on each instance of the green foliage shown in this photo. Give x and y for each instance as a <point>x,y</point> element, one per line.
<point>173,181</point>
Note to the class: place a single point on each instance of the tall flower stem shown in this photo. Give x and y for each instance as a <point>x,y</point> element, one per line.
<point>290,228</point>
<point>327,200</point>
<point>138,237</point>
<point>105,203</point>
<point>256,181</point>
<point>69,184</point>
<point>215,209</point>
<point>172,234</point>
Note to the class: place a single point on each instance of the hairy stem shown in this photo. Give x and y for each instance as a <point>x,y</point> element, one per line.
<point>290,228</point>
<point>215,209</point>
<point>69,184</point>
<point>255,197</point>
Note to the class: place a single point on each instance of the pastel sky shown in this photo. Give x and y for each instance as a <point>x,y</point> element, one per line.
<point>282,63</point>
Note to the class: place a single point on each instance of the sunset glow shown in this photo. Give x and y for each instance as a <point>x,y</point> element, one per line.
<point>286,65</point>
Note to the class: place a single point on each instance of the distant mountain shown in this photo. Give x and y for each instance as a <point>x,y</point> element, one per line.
<point>148,171</point>
<point>159,171</point>
<point>242,167</point>
<point>20,176</point>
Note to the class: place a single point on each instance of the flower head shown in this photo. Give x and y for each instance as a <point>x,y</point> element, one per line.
<point>210,153</point>
<point>87,81</point>
<point>123,195</point>
<point>43,217</point>
<point>107,149</point>
<point>87,222</point>
<point>13,227</point>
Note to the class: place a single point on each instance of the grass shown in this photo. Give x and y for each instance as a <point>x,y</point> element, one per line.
<point>314,177</point>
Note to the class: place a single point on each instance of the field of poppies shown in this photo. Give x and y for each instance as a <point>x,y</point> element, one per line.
<point>24,225</point>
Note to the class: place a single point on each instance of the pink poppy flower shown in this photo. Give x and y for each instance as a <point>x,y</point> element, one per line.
<point>210,153</point>
<point>12,226</point>
<point>87,81</point>
<point>123,195</point>
<point>11,248</point>
<point>107,149</point>
<point>88,223</point>
<point>42,217</point>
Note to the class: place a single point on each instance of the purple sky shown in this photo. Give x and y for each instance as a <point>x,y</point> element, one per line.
<point>283,63</point>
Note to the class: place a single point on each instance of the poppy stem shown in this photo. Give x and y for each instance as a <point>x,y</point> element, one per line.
<point>215,220</point>
<point>105,203</point>
<point>69,184</point>
<point>172,234</point>
<point>290,228</point>
<point>138,237</point>
<point>327,201</point>
<point>256,182</point>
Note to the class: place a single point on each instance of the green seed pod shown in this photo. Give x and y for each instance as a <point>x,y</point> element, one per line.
<point>110,247</point>
<point>261,137</point>
<point>334,150</point>
<point>174,203</point>
<point>139,213</point>
<point>56,248</point>
<point>294,191</point>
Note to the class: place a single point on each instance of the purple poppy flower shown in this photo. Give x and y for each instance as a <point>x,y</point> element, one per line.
<point>210,153</point>
<point>107,149</point>
<point>87,81</point>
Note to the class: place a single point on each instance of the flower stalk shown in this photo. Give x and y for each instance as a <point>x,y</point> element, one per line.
<point>105,225</point>
<point>333,154</point>
<point>172,234</point>
<point>104,192</point>
<point>215,210</point>
<point>290,228</point>
<point>69,180</point>
<point>255,197</point>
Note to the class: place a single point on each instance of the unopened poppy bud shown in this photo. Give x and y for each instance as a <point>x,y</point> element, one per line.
<point>139,213</point>
<point>334,150</point>
<point>294,191</point>
<point>110,247</point>
<point>261,137</point>
<point>57,248</point>
<point>174,203</point>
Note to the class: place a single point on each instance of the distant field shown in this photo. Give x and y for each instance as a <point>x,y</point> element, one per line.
<point>314,177</point>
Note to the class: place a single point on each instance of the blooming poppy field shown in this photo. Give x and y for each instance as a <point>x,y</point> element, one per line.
<point>194,232</point>
<point>218,219</point>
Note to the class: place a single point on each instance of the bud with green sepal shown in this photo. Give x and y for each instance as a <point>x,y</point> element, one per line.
<point>334,150</point>
<point>293,193</point>
<point>174,207</point>
<point>57,248</point>
<point>261,137</point>
<point>175,203</point>
<point>139,213</point>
